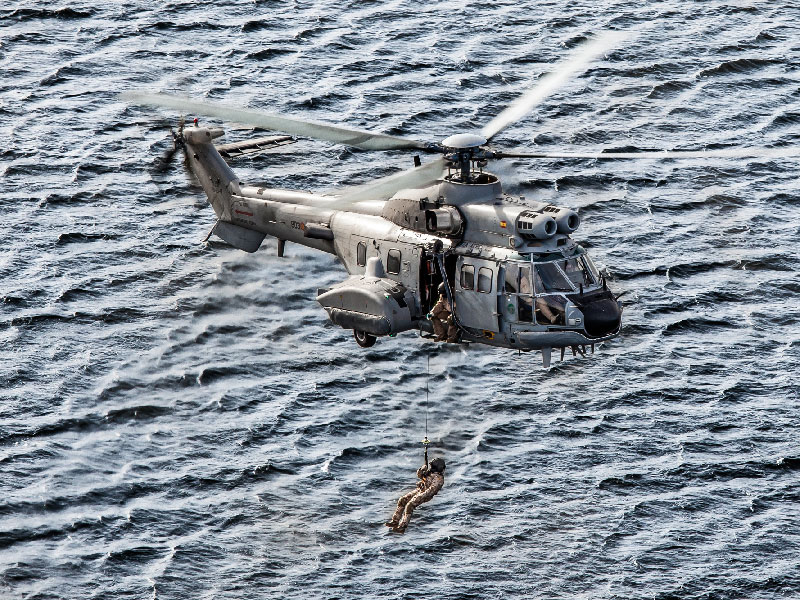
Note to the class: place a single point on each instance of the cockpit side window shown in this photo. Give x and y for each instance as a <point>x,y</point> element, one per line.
<point>525,285</point>
<point>512,273</point>
<point>551,279</point>
<point>467,277</point>
<point>525,298</point>
<point>361,254</point>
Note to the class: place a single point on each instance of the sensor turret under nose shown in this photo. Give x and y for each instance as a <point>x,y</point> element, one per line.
<point>602,313</point>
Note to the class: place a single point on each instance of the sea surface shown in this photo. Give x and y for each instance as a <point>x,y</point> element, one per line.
<point>178,419</point>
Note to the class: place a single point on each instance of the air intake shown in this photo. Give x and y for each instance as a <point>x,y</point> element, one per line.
<point>536,226</point>
<point>567,219</point>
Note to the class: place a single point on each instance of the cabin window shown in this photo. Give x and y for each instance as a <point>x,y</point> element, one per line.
<point>467,277</point>
<point>393,262</point>
<point>361,254</point>
<point>485,280</point>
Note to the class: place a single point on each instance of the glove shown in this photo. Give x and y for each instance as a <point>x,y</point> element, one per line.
<point>429,316</point>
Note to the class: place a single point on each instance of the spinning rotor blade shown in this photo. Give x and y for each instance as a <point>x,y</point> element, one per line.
<point>163,165</point>
<point>661,154</point>
<point>386,187</point>
<point>561,73</point>
<point>366,140</point>
<point>165,161</point>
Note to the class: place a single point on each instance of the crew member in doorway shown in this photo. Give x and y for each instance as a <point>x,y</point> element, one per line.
<point>441,317</point>
<point>431,480</point>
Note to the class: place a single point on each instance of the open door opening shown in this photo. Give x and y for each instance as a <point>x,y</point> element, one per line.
<point>430,277</point>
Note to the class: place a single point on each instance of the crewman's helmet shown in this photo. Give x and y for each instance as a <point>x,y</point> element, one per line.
<point>441,288</point>
<point>437,465</point>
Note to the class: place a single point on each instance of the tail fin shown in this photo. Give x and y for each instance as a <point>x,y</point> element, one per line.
<point>218,180</point>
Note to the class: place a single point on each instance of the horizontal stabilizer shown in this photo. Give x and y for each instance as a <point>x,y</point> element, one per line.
<point>254,146</point>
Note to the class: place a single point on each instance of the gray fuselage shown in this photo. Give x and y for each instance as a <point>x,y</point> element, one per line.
<point>515,276</point>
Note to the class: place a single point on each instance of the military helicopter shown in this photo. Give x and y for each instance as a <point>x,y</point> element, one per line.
<point>509,268</point>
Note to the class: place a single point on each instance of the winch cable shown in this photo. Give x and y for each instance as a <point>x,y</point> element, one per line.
<point>426,441</point>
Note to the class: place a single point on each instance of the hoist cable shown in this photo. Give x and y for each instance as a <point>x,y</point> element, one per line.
<point>427,394</point>
<point>425,442</point>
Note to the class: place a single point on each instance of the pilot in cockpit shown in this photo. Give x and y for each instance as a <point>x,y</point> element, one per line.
<point>541,304</point>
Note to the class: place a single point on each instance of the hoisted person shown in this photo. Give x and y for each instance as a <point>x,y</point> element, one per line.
<point>431,480</point>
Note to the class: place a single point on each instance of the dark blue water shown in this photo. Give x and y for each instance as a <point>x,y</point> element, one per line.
<point>179,419</point>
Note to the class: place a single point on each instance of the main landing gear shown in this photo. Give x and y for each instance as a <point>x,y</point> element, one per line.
<point>364,339</point>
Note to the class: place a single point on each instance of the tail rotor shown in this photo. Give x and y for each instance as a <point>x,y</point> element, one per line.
<point>165,162</point>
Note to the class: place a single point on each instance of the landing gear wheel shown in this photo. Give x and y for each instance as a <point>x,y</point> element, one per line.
<point>364,339</point>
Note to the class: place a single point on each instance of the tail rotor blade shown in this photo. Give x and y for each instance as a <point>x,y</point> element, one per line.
<point>561,74</point>
<point>366,140</point>
<point>165,161</point>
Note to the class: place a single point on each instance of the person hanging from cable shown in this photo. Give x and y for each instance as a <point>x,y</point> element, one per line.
<point>441,317</point>
<point>431,480</point>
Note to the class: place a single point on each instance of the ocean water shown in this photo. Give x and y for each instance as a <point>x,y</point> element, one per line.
<point>178,419</point>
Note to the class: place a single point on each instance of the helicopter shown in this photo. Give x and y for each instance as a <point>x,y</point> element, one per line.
<point>509,269</point>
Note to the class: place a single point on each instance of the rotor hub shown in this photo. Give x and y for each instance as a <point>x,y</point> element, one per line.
<point>463,141</point>
<point>464,148</point>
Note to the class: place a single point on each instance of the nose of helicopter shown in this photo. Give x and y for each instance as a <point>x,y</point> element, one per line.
<point>602,316</point>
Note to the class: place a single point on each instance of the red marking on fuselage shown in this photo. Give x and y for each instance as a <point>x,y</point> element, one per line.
<point>241,212</point>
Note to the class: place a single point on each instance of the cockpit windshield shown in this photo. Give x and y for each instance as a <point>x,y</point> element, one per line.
<point>550,279</point>
<point>538,292</point>
<point>564,275</point>
<point>591,268</point>
<point>578,271</point>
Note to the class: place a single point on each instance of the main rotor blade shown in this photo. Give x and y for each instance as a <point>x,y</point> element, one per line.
<point>386,187</point>
<point>366,140</point>
<point>561,73</point>
<point>661,154</point>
